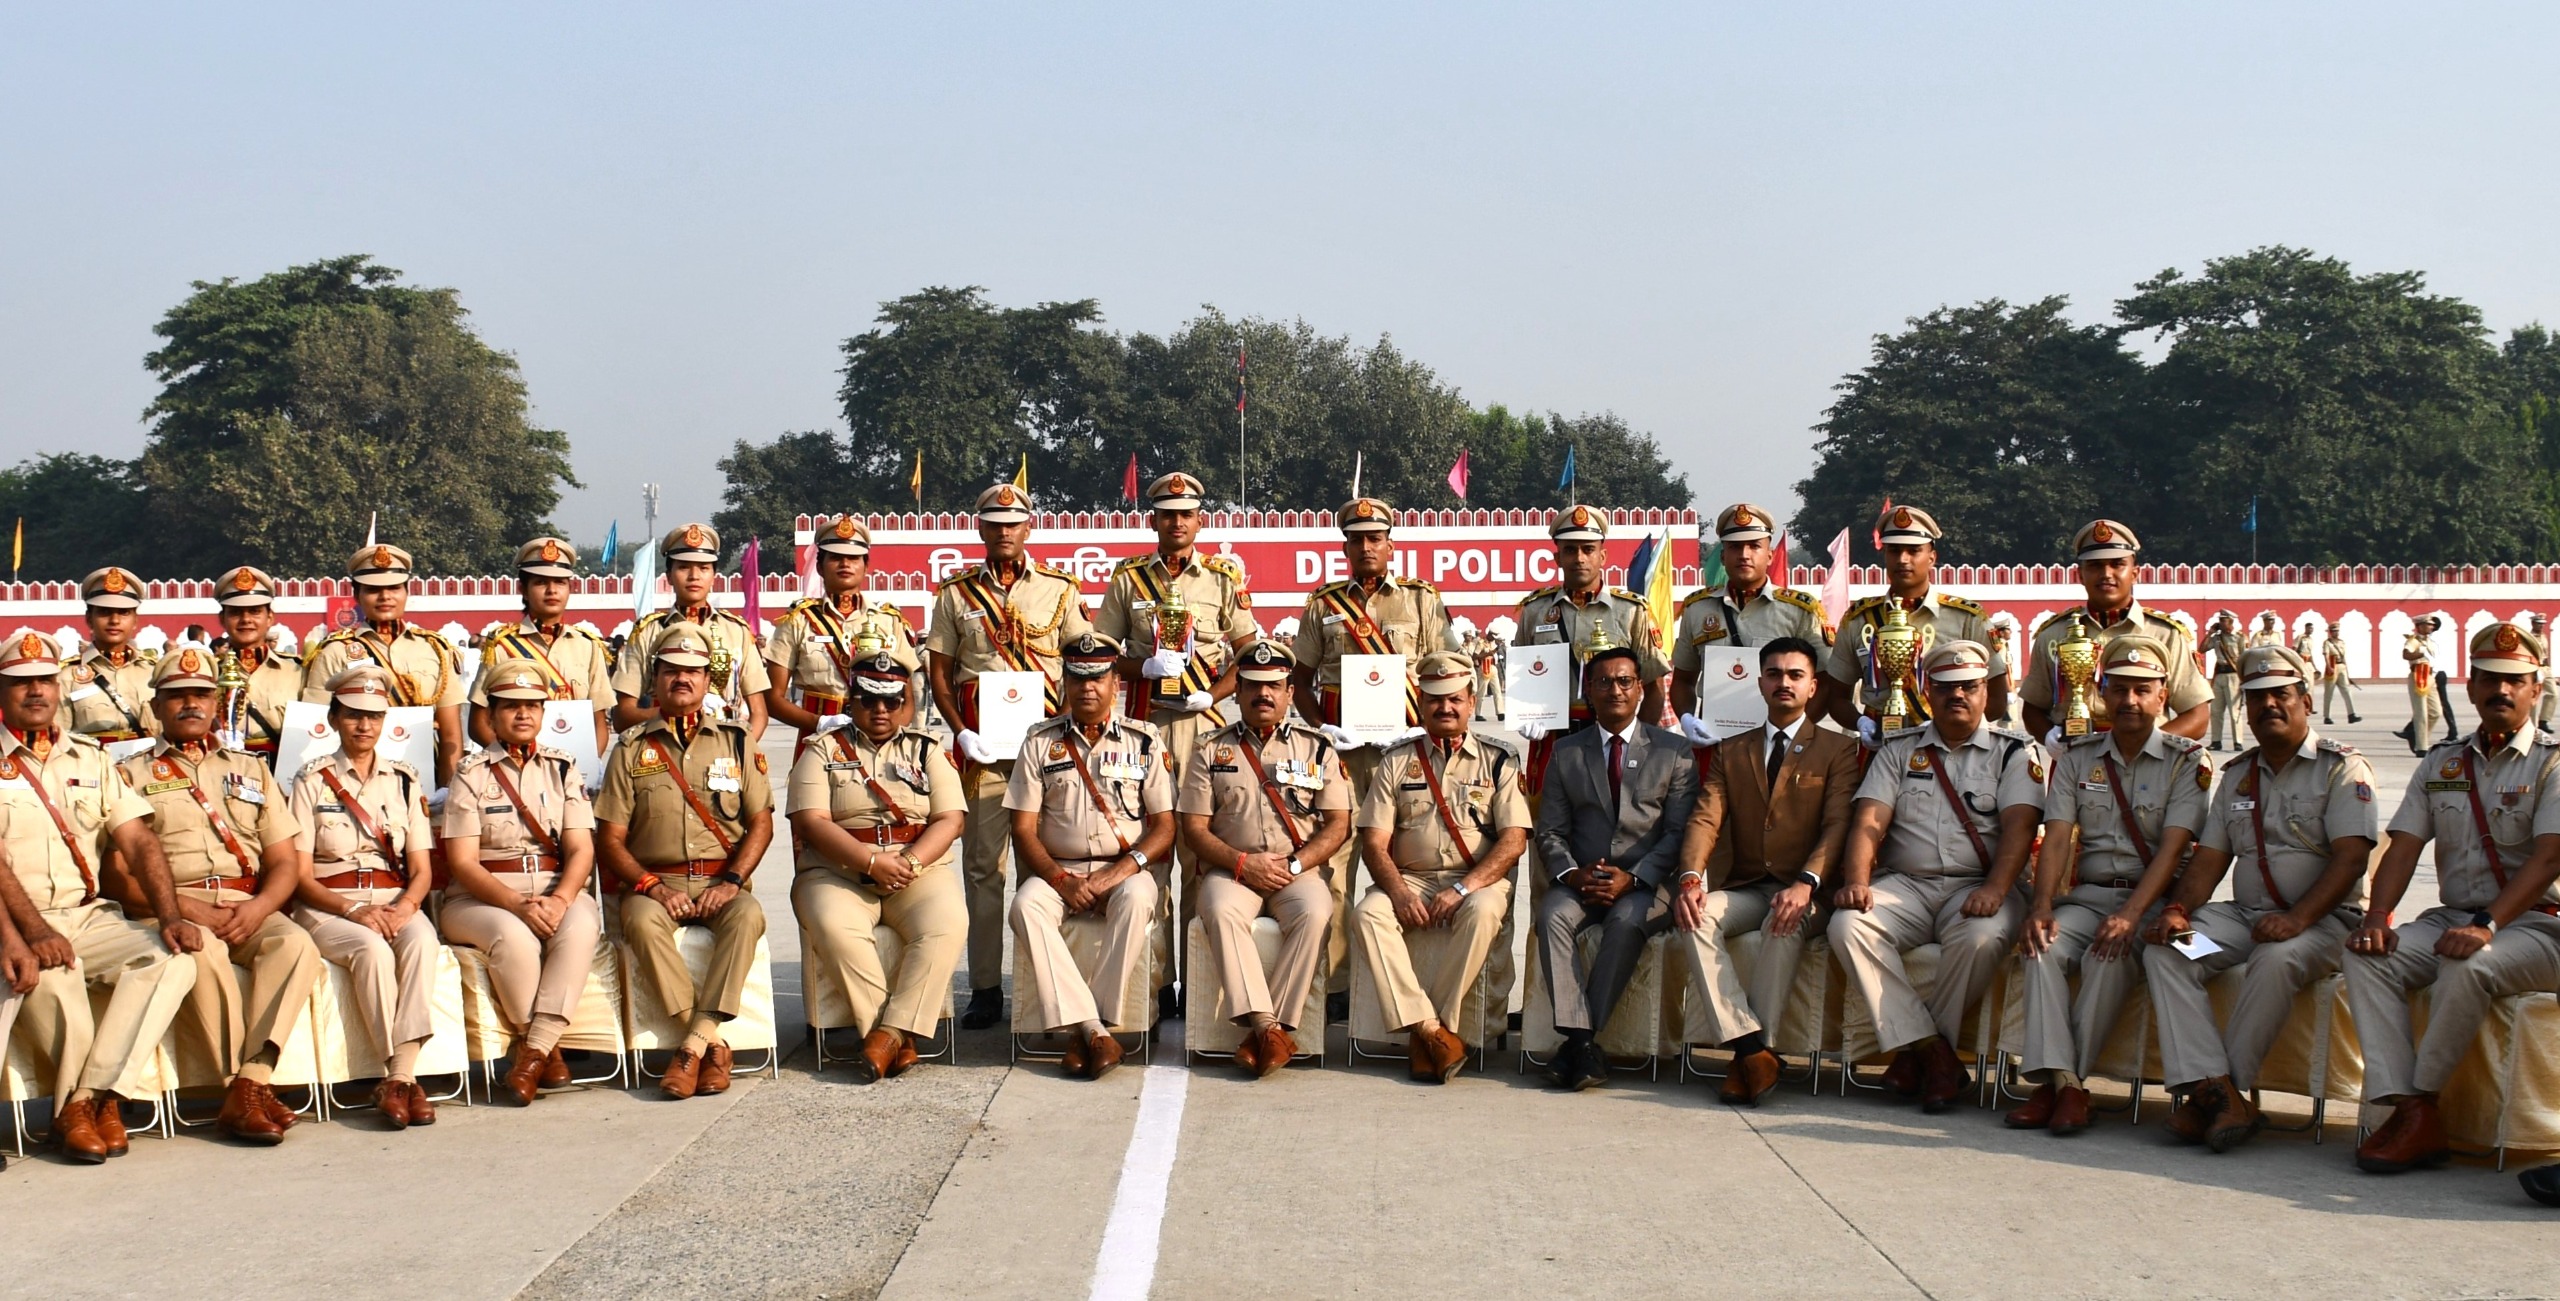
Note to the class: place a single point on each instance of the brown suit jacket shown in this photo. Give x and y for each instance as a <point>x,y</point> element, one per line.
<point>1739,833</point>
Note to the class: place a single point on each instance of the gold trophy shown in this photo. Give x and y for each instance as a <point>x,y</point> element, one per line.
<point>721,663</point>
<point>867,640</point>
<point>1895,646</point>
<point>2075,661</point>
<point>231,684</point>
<point>1173,632</point>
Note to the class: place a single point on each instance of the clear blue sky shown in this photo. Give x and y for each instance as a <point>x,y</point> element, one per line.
<point>1694,216</point>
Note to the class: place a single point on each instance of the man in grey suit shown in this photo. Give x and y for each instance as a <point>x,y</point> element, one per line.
<point>1618,795</point>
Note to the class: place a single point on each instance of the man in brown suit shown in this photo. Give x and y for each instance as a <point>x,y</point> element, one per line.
<point>1772,814</point>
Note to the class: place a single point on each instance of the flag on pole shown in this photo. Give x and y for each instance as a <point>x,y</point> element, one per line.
<point>1022,477</point>
<point>371,521</point>
<point>1458,475</point>
<point>1711,574</point>
<point>1778,561</point>
<point>18,550</point>
<point>1564,481</point>
<point>1835,584</point>
<point>1240,379</point>
<point>1358,461</point>
<point>751,581</point>
<point>1129,480</point>
<point>644,579</point>
<point>612,544</point>
<point>915,481</point>
<point>2250,525</point>
<point>1650,574</point>
<point>1875,536</point>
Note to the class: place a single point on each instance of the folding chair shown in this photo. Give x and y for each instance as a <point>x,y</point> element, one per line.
<point>1085,935</point>
<point>825,1007</point>
<point>339,1037</point>
<point>1208,1025</point>
<point>1635,1024</point>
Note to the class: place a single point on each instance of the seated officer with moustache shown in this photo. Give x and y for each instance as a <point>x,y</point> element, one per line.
<point>1092,804</point>
<point>2295,816</point>
<point>1618,795</point>
<point>1948,812</point>
<point>1441,826</point>
<point>1263,805</point>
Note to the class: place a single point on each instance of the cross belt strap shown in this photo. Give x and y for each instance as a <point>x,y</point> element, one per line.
<point>701,812</point>
<point>1094,789</point>
<point>2124,810</point>
<point>2258,828</point>
<point>1955,803</point>
<point>524,816</point>
<point>1271,792</point>
<point>222,828</point>
<point>897,816</point>
<point>1448,820</point>
<point>14,767</point>
<point>380,836</point>
<point>2480,820</point>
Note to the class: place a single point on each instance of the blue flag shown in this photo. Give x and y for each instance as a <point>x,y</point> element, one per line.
<point>2251,524</point>
<point>612,545</point>
<point>1565,480</point>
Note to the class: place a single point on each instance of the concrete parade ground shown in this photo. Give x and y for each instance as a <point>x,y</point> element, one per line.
<point>984,1180</point>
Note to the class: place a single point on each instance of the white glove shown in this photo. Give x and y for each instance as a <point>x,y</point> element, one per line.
<point>1697,729</point>
<point>1342,740</point>
<point>232,738</point>
<point>1531,731</point>
<point>435,799</point>
<point>1163,664</point>
<point>1408,734</point>
<point>1868,734</point>
<point>831,722</point>
<point>1197,701</point>
<point>974,749</point>
<point>2053,736</point>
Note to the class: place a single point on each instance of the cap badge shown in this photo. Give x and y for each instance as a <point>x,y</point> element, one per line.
<point>844,526</point>
<point>382,557</point>
<point>244,581</point>
<point>1004,494</point>
<point>550,552</point>
<point>2506,638</point>
<point>30,647</point>
<point>1902,517</point>
<point>188,662</point>
<point>2099,532</point>
<point>113,582</point>
<point>693,536</point>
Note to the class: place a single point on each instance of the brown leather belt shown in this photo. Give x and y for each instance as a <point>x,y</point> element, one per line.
<point>696,868</point>
<point>888,833</point>
<point>247,885</point>
<point>366,878</point>
<point>530,864</point>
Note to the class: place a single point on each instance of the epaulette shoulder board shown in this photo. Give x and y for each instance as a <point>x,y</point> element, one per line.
<point>2173,620</point>
<point>398,767</point>
<point>805,603</point>
<point>547,752</point>
<point>1958,603</point>
<point>1549,590</point>
<point>1224,564</point>
<point>1702,594</point>
<point>2182,744</point>
<point>2083,742</point>
<point>81,740</point>
<point>1332,587</point>
<point>1128,563</point>
<point>1801,600</point>
<point>1418,585</point>
<point>1053,571</point>
<point>2341,747</point>
<point>1625,594</point>
<point>1862,605</point>
<point>956,579</point>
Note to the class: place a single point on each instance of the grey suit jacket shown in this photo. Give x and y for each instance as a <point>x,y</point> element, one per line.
<point>1642,832</point>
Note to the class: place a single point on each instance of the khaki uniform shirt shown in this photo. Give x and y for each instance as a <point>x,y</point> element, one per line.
<point>421,664</point>
<point>1993,770</point>
<point>394,801</point>
<point>2187,687</point>
<point>1482,784</point>
<point>1406,613</point>
<point>576,664</point>
<point>1213,589</point>
<point>973,615</point>
<point>746,676</point>
<point>107,699</point>
<point>2226,650</point>
<point>1711,617</point>
<point>1128,762</point>
<point>816,657</point>
<point>1221,784</point>
<point>726,771</point>
<point>252,803</point>
<point>2420,652</point>
<point>1549,616</point>
<point>476,805</point>
<point>837,771</point>
<point>1941,615</point>
<point>91,797</point>
<point>2333,660</point>
<point>2325,792</point>
<point>275,681</point>
<point>2167,785</point>
<point>2516,792</point>
<point>2265,637</point>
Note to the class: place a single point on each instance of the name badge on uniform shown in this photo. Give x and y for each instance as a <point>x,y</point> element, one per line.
<point>2243,805</point>
<point>81,694</point>
<point>2099,787</point>
<point>487,809</point>
<point>1136,607</point>
<point>1550,625</point>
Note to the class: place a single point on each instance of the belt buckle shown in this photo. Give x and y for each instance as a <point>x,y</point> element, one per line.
<point>532,862</point>
<point>880,835</point>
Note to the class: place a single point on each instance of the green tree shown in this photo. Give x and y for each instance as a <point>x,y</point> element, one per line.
<point>81,512</point>
<point>295,406</point>
<point>1517,461</point>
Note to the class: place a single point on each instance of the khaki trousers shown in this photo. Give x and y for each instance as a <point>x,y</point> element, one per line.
<point>392,981</point>
<point>986,842</point>
<point>1911,911</point>
<point>1040,943</point>
<point>1304,908</point>
<point>1720,1011</point>
<point>532,976</point>
<point>2190,1048</point>
<point>932,921</point>
<point>1362,764</point>
<point>2342,685</point>
<point>2226,720</point>
<point>1585,1000</point>
<point>735,929</point>
<point>2521,958</point>
<point>2426,713</point>
<point>2066,1032</point>
<point>150,983</point>
<point>238,1023</point>
<point>2549,709</point>
<point>1410,994</point>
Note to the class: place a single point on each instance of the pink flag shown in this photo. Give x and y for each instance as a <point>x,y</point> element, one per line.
<point>1778,561</point>
<point>1835,584</point>
<point>753,584</point>
<point>1458,475</point>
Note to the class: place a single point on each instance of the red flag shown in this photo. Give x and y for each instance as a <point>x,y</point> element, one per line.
<point>1129,480</point>
<point>751,582</point>
<point>1778,562</point>
<point>1239,379</point>
<point>1458,475</point>
<point>1875,536</point>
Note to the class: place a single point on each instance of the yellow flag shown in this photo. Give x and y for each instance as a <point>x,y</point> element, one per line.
<point>18,549</point>
<point>1657,590</point>
<point>1022,477</point>
<point>915,481</point>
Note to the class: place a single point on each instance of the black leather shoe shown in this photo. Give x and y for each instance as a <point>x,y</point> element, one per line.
<point>1337,1008</point>
<point>986,1007</point>
<point>1595,1068</point>
<point>2353,717</point>
<point>1169,1003</point>
<point>2542,1184</point>
<point>1564,1067</point>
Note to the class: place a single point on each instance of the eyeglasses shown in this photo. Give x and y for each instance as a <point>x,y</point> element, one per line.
<point>878,702</point>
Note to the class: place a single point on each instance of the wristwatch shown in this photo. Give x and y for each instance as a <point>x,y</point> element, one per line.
<point>1139,857</point>
<point>1294,867</point>
<point>1809,879</point>
<point>1462,889</point>
<point>2485,921</point>
<point>732,878</point>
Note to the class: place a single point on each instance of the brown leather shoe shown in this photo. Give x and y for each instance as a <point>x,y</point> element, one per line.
<point>1248,1053</point>
<point>422,1109</point>
<point>2070,1112</point>
<point>1071,1059</point>
<point>1419,1061</point>
<point>1942,1078</point>
<point>110,1124</point>
<point>555,1070</point>
<point>907,1055</point>
<point>1448,1055</point>
<point>684,1074</point>
<point>2193,1115</point>
<point>75,1127</point>
<point>244,1116</point>
<point>523,1080</point>
<point>282,1115</point>
<point>1101,1055</point>
<point>2236,1123</point>
<point>1749,1079</point>
<point>2037,1111</point>
<point>1278,1046</point>
<point>1903,1076</point>
<point>879,1052</point>
<point>391,1098</point>
<point>717,1061</point>
<point>2412,1139</point>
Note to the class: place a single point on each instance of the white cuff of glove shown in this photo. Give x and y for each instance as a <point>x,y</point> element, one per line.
<point>1162,664</point>
<point>974,748</point>
<point>1868,734</point>
<point>1197,701</point>
<point>830,722</point>
<point>1342,740</point>
<point>1697,730</point>
<point>2053,736</point>
<point>1531,731</point>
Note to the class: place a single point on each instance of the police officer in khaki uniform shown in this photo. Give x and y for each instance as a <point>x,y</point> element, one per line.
<point>1938,838</point>
<point>247,598</point>
<point>1009,614</point>
<point>1909,538</point>
<point>107,693</point>
<point>683,819</point>
<point>1746,611</point>
<point>2491,805</point>
<point>1441,826</point>
<point>519,838</point>
<point>2550,697</point>
<point>2120,812</point>
<point>2224,648</point>
<point>2293,823</point>
<point>811,656</point>
<point>2266,633</point>
<point>1263,805</point>
<point>879,811</point>
<point>573,662</point>
<point>1373,612</point>
<point>227,828</point>
<point>65,809</point>
<point>362,841</point>
<point>2417,650</point>
<point>1092,806</point>
<point>1582,611</point>
<point>2335,682</point>
<point>418,665</point>
<point>737,684</point>
<point>2108,556</point>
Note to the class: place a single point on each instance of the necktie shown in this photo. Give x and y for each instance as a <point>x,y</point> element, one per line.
<point>1617,766</point>
<point>1777,756</point>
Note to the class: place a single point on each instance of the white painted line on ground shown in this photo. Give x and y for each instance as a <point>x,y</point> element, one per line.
<point>1126,1268</point>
